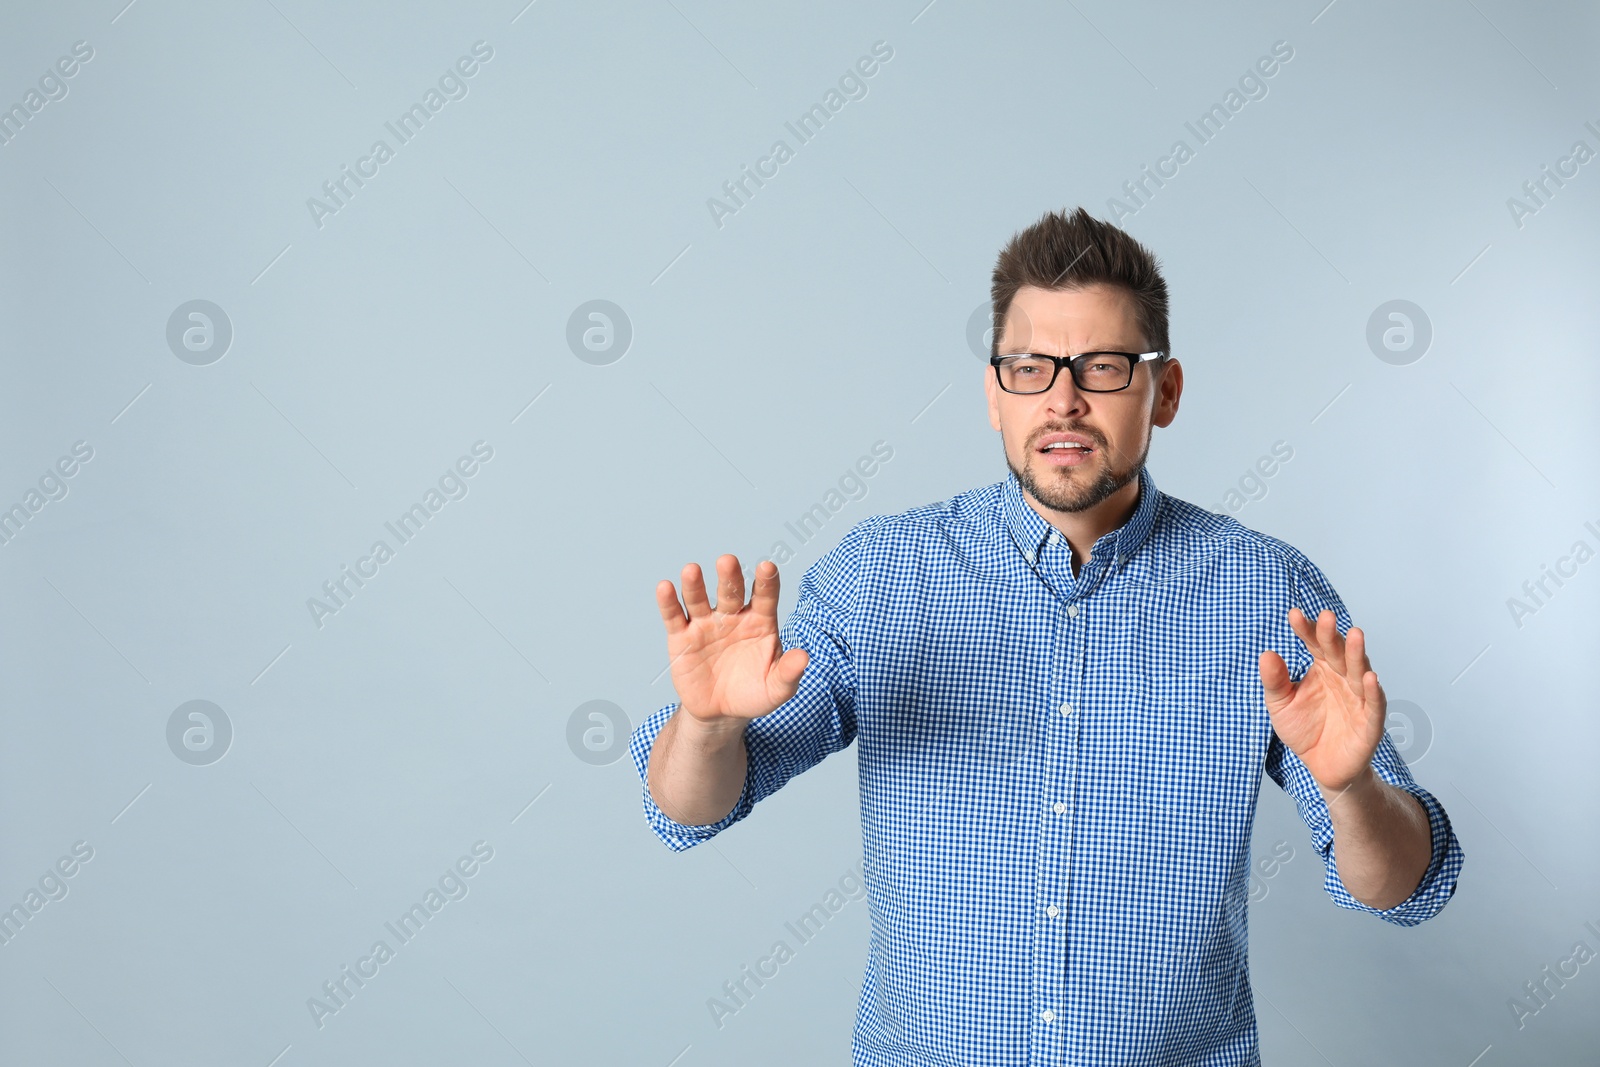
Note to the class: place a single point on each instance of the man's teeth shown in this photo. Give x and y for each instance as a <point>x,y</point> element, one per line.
<point>1066,444</point>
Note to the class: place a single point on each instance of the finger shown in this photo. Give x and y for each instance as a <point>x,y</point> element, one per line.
<point>730,584</point>
<point>694,591</point>
<point>1376,698</point>
<point>1315,635</point>
<point>1355,654</point>
<point>1306,632</point>
<point>764,597</point>
<point>671,610</point>
<point>1332,643</point>
<point>1275,684</point>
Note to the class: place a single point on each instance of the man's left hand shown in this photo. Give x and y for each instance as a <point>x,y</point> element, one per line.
<point>1333,717</point>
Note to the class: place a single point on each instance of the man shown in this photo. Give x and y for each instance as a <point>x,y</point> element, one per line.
<point>1064,687</point>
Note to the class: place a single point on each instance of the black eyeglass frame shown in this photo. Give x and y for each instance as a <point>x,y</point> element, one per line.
<point>1071,362</point>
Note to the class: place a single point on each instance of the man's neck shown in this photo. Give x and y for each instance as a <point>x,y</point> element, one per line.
<point>1083,528</point>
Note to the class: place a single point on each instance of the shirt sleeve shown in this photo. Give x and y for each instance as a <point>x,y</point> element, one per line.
<point>818,720</point>
<point>1313,594</point>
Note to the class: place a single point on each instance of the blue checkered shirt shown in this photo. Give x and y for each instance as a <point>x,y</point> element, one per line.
<point>1058,775</point>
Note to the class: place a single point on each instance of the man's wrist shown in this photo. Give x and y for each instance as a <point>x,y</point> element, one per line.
<point>709,733</point>
<point>1363,786</point>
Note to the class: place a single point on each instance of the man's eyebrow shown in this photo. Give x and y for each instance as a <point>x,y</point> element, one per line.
<point>1033,352</point>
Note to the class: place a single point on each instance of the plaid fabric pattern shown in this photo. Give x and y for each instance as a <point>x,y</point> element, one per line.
<point>1058,775</point>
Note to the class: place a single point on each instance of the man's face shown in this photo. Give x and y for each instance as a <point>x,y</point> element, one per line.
<point>1117,425</point>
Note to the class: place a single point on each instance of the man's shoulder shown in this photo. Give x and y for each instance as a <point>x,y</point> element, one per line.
<point>965,522</point>
<point>970,507</point>
<point>1186,535</point>
<point>962,521</point>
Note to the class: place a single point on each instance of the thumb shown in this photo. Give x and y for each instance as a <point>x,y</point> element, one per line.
<point>1275,684</point>
<point>787,671</point>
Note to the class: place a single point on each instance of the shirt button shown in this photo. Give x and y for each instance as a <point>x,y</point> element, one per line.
<point>1060,808</point>
<point>1048,1016</point>
<point>1072,611</point>
<point>1066,709</point>
<point>1052,911</point>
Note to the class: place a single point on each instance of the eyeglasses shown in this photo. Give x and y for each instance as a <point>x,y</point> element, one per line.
<point>1093,372</point>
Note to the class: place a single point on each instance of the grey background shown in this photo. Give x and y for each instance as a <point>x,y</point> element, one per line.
<point>767,354</point>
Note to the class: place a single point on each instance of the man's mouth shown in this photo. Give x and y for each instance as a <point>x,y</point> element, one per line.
<point>1065,450</point>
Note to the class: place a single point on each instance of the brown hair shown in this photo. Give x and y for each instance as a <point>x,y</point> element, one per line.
<point>1076,251</point>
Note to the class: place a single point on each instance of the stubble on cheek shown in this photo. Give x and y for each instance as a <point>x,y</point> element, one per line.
<point>1073,488</point>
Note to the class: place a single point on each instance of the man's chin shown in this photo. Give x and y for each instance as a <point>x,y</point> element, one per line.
<point>1070,489</point>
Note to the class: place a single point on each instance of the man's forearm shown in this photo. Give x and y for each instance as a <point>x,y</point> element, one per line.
<point>1381,839</point>
<point>697,769</point>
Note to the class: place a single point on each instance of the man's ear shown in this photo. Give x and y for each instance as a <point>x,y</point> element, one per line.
<point>1168,390</point>
<point>992,391</point>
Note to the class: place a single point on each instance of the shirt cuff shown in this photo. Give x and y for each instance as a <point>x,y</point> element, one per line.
<point>1438,882</point>
<point>674,834</point>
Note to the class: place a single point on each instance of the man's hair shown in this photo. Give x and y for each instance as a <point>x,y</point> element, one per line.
<point>1076,251</point>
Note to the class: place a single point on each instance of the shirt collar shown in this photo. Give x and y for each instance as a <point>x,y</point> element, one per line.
<point>1029,530</point>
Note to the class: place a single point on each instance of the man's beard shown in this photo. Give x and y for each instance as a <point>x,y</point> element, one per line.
<point>1066,489</point>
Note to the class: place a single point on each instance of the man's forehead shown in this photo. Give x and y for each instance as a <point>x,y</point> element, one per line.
<point>1098,316</point>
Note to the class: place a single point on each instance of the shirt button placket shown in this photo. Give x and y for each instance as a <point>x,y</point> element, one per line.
<point>1058,843</point>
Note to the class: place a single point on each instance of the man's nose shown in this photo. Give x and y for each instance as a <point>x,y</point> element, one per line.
<point>1064,395</point>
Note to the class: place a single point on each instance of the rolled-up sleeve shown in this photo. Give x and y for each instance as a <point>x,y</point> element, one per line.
<point>1438,882</point>
<point>818,720</point>
<point>1313,594</point>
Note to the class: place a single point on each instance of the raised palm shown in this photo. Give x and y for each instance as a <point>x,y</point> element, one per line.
<point>727,661</point>
<point>1333,717</point>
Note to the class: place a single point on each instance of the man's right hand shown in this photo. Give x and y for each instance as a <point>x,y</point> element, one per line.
<point>727,662</point>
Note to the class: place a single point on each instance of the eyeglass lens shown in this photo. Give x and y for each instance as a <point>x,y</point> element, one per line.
<point>1097,372</point>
